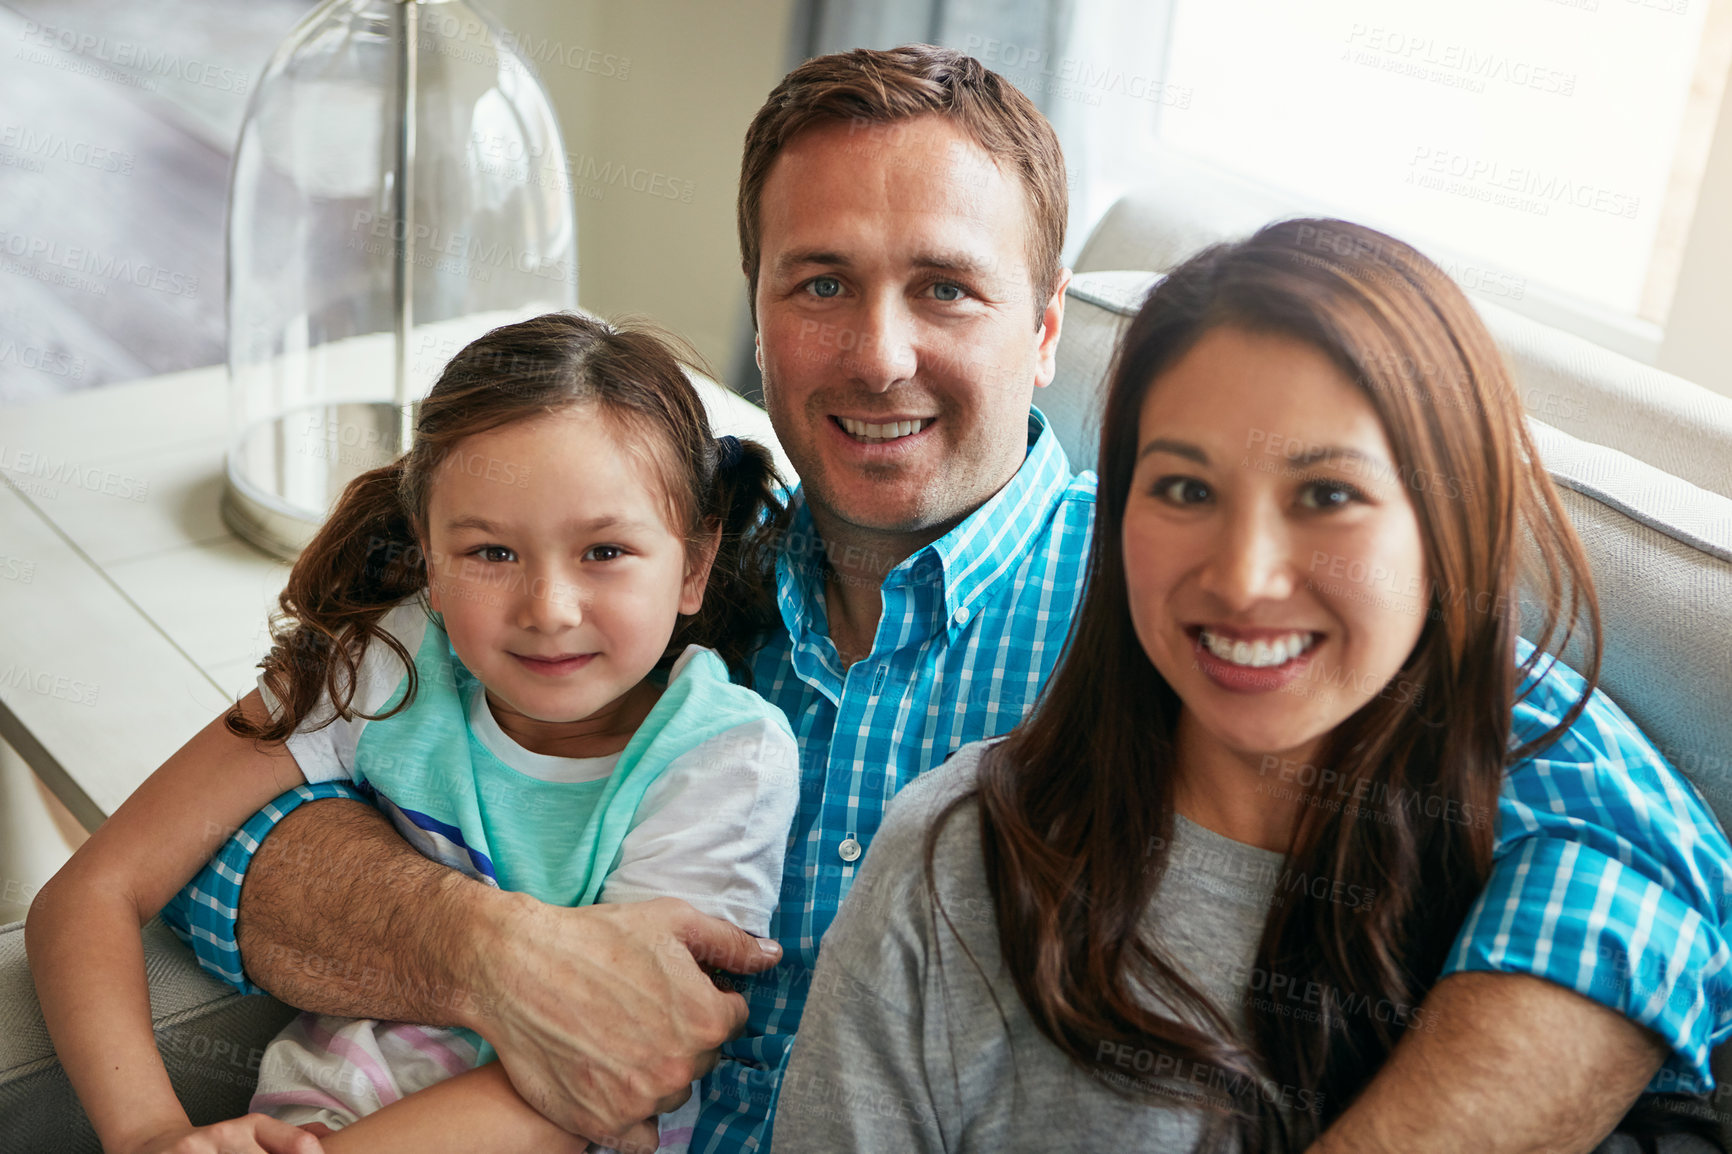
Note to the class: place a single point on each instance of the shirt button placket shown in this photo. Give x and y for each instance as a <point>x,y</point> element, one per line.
<point>849,850</point>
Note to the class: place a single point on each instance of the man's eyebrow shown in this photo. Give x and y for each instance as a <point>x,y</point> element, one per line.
<point>1177,448</point>
<point>792,260</point>
<point>962,262</point>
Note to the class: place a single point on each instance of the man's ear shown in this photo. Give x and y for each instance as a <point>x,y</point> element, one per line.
<point>699,560</point>
<point>1051,320</point>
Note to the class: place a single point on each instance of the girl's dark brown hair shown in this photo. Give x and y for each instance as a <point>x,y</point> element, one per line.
<point>1076,806</point>
<point>367,557</point>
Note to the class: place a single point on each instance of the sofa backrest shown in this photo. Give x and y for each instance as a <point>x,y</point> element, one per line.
<point>1660,547</point>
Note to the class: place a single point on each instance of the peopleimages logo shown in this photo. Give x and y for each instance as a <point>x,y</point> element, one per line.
<point>40,146</point>
<point>22,466</point>
<point>79,259</point>
<point>138,57</point>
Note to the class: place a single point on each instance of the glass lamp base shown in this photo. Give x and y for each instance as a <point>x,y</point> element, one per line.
<point>284,474</point>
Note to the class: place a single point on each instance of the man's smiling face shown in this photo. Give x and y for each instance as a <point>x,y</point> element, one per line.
<point>901,338</point>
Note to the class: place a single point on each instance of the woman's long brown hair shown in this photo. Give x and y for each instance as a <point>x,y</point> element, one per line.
<point>1076,806</point>
<point>368,555</point>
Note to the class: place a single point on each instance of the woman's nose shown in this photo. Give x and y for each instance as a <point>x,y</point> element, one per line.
<point>1251,560</point>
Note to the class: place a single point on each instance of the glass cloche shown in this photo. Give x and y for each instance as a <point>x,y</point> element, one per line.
<point>399,188</point>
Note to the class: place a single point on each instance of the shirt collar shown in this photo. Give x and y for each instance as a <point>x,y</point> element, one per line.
<point>966,563</point>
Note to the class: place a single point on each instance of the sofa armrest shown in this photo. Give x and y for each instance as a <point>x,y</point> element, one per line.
<point>211,1038</point>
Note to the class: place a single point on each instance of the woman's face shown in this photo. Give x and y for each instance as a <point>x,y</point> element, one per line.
<point>1272,555</point>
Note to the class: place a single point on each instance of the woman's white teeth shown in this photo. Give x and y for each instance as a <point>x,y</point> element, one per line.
<point>886,432</point>
<point>1259,654</point>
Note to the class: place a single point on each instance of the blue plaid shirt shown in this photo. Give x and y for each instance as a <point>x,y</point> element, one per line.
<point>1611,875</point>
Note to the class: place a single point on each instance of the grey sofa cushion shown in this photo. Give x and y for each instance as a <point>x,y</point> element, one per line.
<point>211,1038</point>
<point>1661,551</point>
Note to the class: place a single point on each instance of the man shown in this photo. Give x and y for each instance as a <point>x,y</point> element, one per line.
<point>901,216</point>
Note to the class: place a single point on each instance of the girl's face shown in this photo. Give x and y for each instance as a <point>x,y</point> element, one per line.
<point>551,558</point>
<point>1272,555</point>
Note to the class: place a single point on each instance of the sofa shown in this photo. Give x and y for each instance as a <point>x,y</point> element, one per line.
<point>1643,460</point>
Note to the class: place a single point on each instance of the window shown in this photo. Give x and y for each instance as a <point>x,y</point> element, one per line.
<point>1551,148</point>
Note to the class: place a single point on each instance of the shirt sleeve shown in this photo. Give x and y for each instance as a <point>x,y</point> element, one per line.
<point>323,745</point>
<point>203,913</point>
<point>1611,878</point>
<point>713,828</point>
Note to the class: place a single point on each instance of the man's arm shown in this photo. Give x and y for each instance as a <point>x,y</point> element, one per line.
<point>602,1015</point>
<point>1512,1065</point>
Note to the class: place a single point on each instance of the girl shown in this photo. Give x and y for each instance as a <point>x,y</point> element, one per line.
<point>1195,901</point>
<point>518,637</point>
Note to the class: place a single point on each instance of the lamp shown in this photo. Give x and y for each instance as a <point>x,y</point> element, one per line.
<point>399,188</point>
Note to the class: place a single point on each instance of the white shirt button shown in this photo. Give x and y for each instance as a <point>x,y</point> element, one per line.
<point>849,849</point>
<point>961,616</point>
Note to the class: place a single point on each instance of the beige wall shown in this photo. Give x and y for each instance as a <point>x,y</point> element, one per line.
<point>1698,341</point>
<point>686,77</point>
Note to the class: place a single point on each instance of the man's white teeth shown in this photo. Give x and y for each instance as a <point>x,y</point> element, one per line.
<point>879,433</point>
<point>1258,654</point>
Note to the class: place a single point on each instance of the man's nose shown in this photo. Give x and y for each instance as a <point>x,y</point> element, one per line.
<point>883,354</point>
<point>1251,559</point>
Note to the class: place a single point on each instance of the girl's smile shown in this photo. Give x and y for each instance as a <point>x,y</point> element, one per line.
<point>560,590</point>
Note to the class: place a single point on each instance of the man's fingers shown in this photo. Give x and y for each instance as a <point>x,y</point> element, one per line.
<point>705,1062</point>
<point>717,945</point>
<point>674,1101</point>
<point>644,1138</point>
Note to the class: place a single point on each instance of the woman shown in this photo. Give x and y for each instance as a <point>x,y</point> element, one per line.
<point>1197,898</point>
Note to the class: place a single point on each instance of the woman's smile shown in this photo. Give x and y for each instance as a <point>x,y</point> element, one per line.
<point>1253,661</point>
<point>1221,541</point>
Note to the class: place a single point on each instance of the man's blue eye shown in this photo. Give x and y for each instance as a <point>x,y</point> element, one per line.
<point>826,286</point>
<point>947,292</point>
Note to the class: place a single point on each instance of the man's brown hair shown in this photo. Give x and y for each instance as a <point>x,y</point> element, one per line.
<point>871,87</point>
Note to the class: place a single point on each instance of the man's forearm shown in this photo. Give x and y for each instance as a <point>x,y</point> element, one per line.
<point>340,915</point>
<point>1511,1065</point>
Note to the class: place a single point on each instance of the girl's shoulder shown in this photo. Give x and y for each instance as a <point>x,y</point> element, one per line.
<point>700,674</point>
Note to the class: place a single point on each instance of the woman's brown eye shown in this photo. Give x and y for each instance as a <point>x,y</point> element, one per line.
<point>1182,490</point>
<point>1327,495</point>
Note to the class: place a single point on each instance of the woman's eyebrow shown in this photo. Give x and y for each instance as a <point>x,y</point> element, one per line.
<point>1318,453</point>
<point>1177,448</point>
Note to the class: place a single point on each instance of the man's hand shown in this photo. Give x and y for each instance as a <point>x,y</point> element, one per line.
<point>604,1015</point>
<point>1510,1065</point>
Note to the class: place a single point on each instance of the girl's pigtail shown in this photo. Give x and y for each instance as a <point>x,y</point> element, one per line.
<point>365,559</point>
<point>746,502</point>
